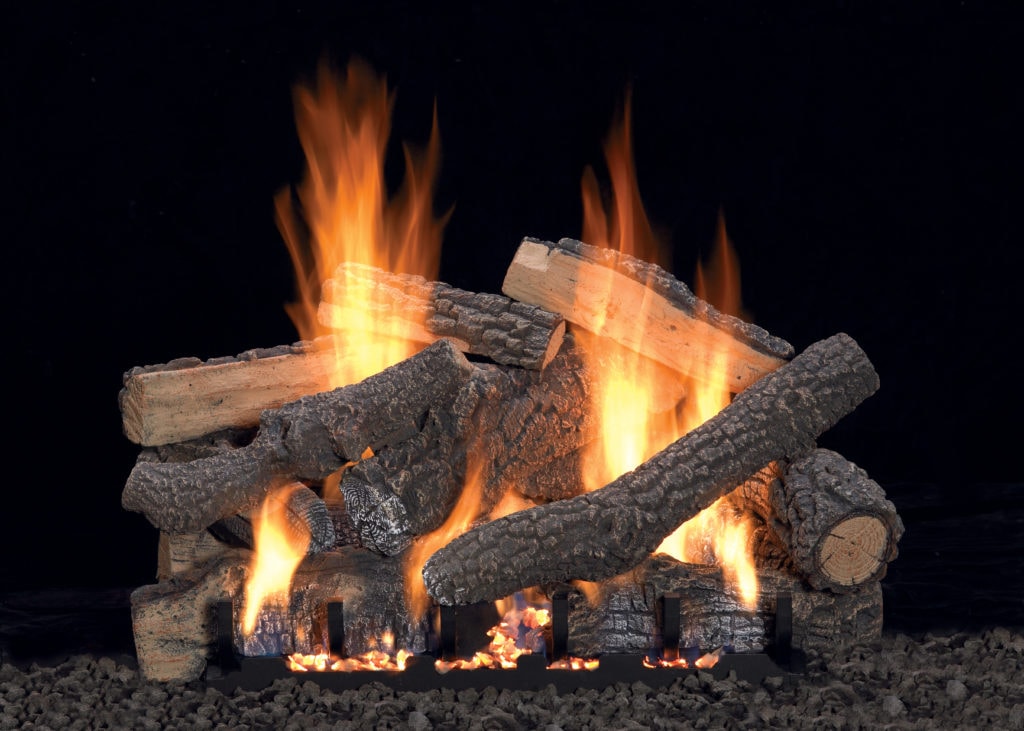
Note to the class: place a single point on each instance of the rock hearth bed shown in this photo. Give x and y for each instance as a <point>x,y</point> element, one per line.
<point>950,680</point>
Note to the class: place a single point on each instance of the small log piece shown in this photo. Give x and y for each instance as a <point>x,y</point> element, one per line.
<point>309,521</point>
<point>187,398</point>
<point>410,307</point>
<point>623,619</point>
<point>831,518</point>
<point>641,306</point>
<point>304,440</point>
<point>606,532</point>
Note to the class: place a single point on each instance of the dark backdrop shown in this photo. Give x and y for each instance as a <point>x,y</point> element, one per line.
<point>866,163</point>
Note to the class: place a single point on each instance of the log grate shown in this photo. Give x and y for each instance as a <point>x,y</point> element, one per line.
<point>232,671</point>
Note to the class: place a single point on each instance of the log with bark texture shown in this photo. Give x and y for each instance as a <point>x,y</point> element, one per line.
<point>305,440</point>
<point>187,398</point>
<point>175,624</point>
<point>642,306</point>
<point>712,615</point>
<point>833,521</point>
<point>410,307</point>
<point>310,526</point>
<point>509,428</point>
<point>608,531</point>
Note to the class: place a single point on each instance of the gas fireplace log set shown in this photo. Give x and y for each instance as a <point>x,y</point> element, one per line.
<point>382,461</point>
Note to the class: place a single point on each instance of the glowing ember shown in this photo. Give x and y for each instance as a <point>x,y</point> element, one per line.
<point>520,632</point>
<point>279,547</point>
<point>343,125</point>
<point>707,660</point>
<point>373,660</point>
<point>632,428</point>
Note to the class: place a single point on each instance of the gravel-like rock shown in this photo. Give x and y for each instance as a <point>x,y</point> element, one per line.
<point>932,681</point>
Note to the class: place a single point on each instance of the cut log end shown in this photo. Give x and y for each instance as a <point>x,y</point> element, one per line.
<point>855,551</point>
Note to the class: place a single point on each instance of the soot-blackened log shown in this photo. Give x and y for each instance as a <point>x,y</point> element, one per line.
<point>309,523</point>
<point>410,307</point>
<point>304,440</point>
<point>831,518</point>
<point>603,533</point>
<point>509,428</point>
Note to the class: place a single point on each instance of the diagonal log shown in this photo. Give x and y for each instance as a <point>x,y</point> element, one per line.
<point>412,308</point>
<point>601,534</point>
<point>643,307</point>
<point>304,440</point>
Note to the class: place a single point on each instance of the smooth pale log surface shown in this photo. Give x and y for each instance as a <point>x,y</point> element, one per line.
<point>187,398</point>
<point>643,307</point>
<point>361,298</point>
<point>304,440</point>
<point>832,519</point>
<point>623,619</point>
<point>181,552</point>
<point>606,532</point>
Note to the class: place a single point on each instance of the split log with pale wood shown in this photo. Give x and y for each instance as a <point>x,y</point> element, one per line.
<point>643,307</point>
<point>601,534</point>
<point>361,298</point>
<point>308,439</point>
<point>188,398</point>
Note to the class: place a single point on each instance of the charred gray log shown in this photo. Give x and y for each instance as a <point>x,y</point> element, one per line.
<point>606,532</point>
<point>309,522</point>
<point>712,615</point>
<point>831,518</point>
<point>304,440</point>
<point>409,306</point>
<point>508,428</point>
<point>175,626</point>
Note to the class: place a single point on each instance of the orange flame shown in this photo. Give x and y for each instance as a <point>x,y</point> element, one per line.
<point>466,510</point>
<point>343,125</point>
<point>280,546</point>
<point>633,425</point>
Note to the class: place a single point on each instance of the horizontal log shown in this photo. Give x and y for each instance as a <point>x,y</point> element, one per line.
<point>365,298</point>
<point>610,530</point>
<point>831,518</point>
<point>187,398</point>
<point>643,307</point>
<point>304,440</point>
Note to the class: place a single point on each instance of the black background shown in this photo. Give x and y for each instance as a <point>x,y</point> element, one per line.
<point>866,161</point>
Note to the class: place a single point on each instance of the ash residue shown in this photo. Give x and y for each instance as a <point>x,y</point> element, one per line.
<point>954,681</point>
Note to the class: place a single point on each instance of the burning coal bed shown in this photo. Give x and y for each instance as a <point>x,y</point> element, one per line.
<point>438,523</point>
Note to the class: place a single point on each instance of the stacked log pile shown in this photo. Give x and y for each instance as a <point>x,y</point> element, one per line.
<point>499,388</point>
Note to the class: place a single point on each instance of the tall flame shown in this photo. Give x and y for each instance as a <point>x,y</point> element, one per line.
<point>343,124</point>
<point>633,425</point>
<point>341,213</point>
<point>279,547</point>
<point>466,510</point>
